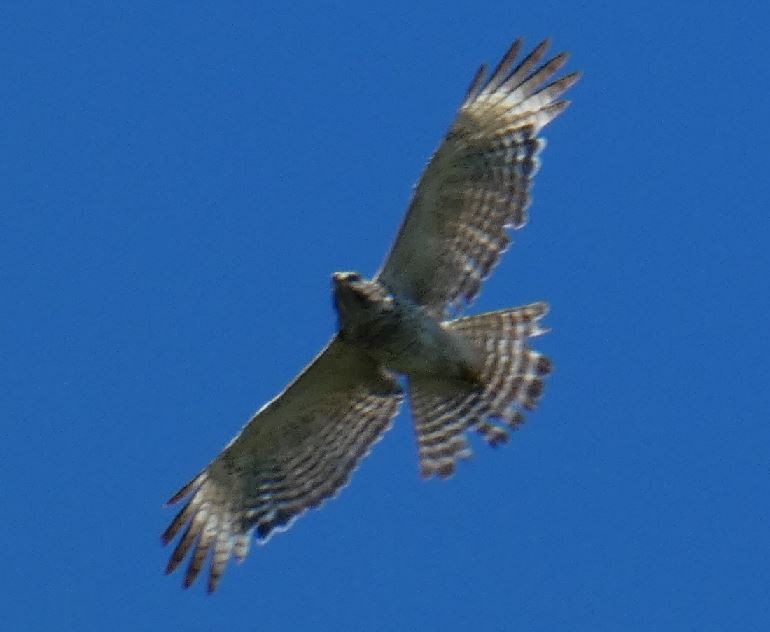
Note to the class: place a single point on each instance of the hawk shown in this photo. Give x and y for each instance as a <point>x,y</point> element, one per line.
<point>476,373</point>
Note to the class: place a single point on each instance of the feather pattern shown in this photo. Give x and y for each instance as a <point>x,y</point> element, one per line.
<point>477,184</point>
<point>511,380</point>
<point>297,452</point>
<point>300,448</point>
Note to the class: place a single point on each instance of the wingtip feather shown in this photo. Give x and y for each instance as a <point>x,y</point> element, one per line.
<point>501,70</point>
<point>476,83</point>
<point>186,490</point>
<point>176,524</point>
<point>188,539</point>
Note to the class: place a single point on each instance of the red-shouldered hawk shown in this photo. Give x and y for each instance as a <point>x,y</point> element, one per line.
<point>474,373</point>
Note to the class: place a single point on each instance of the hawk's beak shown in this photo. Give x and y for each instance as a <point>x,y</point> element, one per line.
<point>345,277</point>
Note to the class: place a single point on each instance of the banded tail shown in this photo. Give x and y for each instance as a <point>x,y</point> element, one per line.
<point>511,381</point>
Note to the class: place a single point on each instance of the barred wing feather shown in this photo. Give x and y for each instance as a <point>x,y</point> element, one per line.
<point>476,184</point>
<point>295,453</point>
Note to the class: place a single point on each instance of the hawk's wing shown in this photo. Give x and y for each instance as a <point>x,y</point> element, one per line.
<point>296,452</point>
<point>476,184</point>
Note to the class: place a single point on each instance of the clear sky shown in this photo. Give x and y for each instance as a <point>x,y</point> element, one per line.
<point>179,182</point>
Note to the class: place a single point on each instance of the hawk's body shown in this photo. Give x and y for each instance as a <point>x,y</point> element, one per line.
<point>475,373</point>
<point>398,334</point>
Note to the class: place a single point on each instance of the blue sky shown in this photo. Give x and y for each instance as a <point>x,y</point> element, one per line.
<point>180,181</point>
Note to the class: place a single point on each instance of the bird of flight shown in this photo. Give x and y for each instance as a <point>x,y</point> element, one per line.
<point>476,373</point>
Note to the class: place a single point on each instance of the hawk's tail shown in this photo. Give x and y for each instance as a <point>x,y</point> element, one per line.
<point>511,380</point>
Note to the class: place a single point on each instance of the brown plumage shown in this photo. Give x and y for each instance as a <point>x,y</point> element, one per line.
<point>476,373</point>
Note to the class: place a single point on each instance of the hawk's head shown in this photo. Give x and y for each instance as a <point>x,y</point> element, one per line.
<point>358,300</point>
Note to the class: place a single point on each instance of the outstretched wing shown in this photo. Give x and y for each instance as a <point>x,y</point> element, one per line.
<point>476,184</point>
<point>296,452</point>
